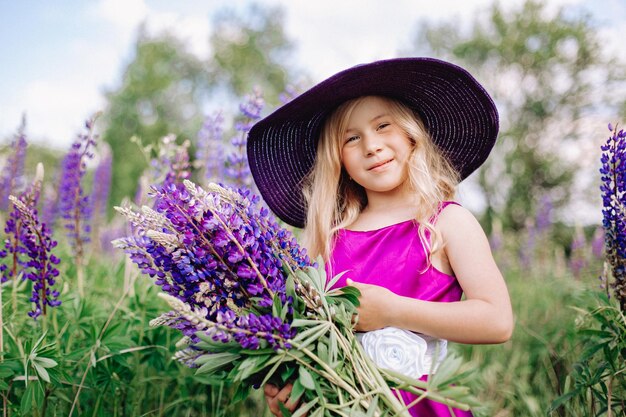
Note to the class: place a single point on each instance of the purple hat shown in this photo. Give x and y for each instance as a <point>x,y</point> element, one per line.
<point>457,111</point>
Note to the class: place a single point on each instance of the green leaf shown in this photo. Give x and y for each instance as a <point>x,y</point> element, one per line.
<point>38,395</point>
<point>322,351</point>
<point>252,365</point>
<point>277,308</point>
<point>27,399</point>
<point>284,411</point>
<point>305,378</point>
<point>242,391</point>
<point>5,372</point>
<point>296,391</point>
<point>333,281</point>
<point>303,409</point>
<point>315,279</point>
<point>373,407</point>
<point>287,373</point>
<point>279,360</point>
<point>562,400</point>
<point>304,322</point>
<point>214,361</point>
<point>38,342</point>
<point>45,362</point>
<point>41,372</point>
<point>3,385</point>
<point>311,335</point>
<point>319,412</point>
<point>446,371</point>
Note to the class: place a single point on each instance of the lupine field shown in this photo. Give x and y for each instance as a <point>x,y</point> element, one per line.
<point>76,311</point>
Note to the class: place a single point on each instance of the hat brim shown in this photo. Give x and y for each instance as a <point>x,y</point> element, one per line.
<point>459,114</point>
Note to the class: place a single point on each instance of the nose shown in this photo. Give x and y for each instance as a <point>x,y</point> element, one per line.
<point>371,145</point>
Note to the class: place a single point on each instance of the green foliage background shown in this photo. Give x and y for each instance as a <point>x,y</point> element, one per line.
<point>109,362</point>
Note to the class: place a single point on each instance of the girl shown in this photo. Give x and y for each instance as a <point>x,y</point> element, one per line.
<point>368,161</point>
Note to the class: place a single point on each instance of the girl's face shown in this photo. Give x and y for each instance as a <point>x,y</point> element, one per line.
<point>374,149</point>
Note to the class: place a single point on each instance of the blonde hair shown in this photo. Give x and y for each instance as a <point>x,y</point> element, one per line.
<point>334,201</point>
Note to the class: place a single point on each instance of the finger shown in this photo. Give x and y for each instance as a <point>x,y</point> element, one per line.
<point>270,390</point>
<point>272,404</point>
<point>284,393</point>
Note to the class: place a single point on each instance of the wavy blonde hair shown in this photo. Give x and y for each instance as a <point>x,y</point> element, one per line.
<point>334,201</point>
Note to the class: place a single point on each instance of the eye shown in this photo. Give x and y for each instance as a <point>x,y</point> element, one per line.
<point>382,126</point>
<point>352,138</point>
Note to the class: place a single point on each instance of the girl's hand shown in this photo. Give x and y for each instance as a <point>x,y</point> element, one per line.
<point>376,303</point>
<point>274,395</point>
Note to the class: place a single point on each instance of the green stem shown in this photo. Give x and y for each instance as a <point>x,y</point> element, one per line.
<point>332,374</point>
<point>418,387</point>
<point>80,275</point>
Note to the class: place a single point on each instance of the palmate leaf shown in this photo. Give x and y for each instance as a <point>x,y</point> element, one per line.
<point>215,361</point>
<point>331,283</point>
<point>305,338</point>
<point>348,293</point>
<point>253,365</point>
<point>305,378</point>
<point>302,410</point>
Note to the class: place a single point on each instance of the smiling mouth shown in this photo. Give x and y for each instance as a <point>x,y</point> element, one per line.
<point>380,165</point>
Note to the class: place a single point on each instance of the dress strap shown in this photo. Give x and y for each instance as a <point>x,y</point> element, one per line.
<point>442,206</point>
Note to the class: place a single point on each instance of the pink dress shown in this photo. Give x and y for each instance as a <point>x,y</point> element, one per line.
<point>394,257</point>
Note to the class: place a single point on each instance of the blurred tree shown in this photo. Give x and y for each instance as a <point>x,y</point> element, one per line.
<point>165,87</point>
<point>251,52</point>
<point>161,93</point>
<point>541,71</point>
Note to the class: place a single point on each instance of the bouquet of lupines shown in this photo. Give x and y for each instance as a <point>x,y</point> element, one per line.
<point>253,308</point>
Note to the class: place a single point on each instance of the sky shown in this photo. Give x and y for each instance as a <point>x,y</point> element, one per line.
<point>59,58</point>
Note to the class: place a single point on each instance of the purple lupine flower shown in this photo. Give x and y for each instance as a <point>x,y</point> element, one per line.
<point>170,166</point>
<point>578,258</point>
<point>543,218</point>
<point>496,239</point>
<point>210,148</point>
<point>50,206</point>
<point>74,205</point>
<point>42,263</point>
<point>12,173</point>
<point>291,92</point>
<point>597,243</point>
<point>178,167</point>
<point>613,191</point>
<point>527,250</point>
<point>217,251</point>
<point>101,187</point>
<point>16,230</point>
<point>237,168</point>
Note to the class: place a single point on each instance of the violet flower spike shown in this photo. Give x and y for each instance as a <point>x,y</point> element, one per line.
<point>613,192</point>
<point>15,230</point>
<point>210,148</point>
<point>73,201</point>
<point>216,252</point>
<point>42,270</point>
<point>249,331</point>
<point>237,168</point>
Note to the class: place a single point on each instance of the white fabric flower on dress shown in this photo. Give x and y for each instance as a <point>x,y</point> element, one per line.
<point>403,351</point>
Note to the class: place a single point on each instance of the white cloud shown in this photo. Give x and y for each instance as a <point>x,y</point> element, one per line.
<point>330,35</point>
<point>193,30</point>
<point>124,14</point>
<point>56,108</point>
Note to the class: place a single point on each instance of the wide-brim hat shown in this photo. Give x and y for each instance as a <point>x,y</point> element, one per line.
<point>459,114</point>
